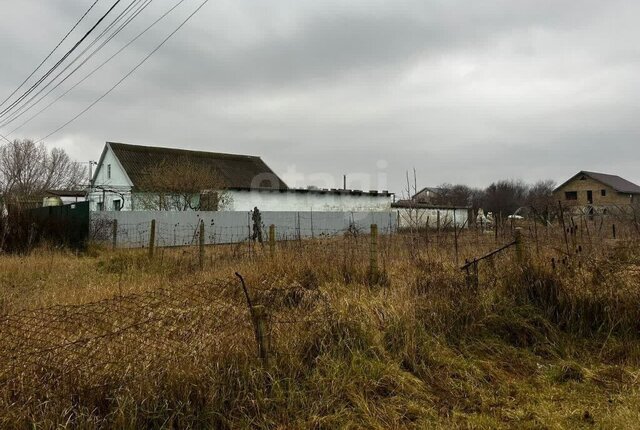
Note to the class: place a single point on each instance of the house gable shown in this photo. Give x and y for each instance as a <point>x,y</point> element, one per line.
<point>110,172</point>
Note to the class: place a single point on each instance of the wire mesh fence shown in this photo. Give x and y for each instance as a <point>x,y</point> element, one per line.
<point>134,229</point>
<point>62,349</point>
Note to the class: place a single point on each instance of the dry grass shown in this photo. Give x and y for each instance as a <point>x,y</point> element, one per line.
<point>113,339</point>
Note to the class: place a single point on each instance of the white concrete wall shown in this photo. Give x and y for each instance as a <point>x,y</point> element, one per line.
<point>307,201</point>
<point>418,218</point>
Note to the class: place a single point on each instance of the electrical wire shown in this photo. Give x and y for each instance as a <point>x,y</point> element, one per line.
<point>50,53</point>
<point>127,75</point>
<point>93,71</point>
<point>55,66</point>
<point>25,107</point>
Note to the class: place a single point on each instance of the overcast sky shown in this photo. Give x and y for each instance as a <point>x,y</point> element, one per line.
<point>464,91</point>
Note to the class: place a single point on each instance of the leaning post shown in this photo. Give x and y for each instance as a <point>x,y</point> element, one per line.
<point>259,321</point>
<point>152,238</point>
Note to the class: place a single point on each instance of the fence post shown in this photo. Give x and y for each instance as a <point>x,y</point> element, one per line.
<point>613,230</point>
<point>259,321</point>
<point>115,234</point>
<point>455,234</point>
<point>272,240</point>
<point>467,277</point>
<point>152,238</point>
<point>201,244</point>
<point>519,247</point>
<point>373,255</point>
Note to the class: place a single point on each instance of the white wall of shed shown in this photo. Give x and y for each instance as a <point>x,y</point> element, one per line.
<point>418,218</point>
<point>307,201</point>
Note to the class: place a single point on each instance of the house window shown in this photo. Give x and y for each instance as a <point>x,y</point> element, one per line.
<point>603,193</point>
<point>571,195</point>
<point>100,206</point>
<point>108,171</point>
<point>117,205</point>
<point>590,197</point>
<point>209,201</point>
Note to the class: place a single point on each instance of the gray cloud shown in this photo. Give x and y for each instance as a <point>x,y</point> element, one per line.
<point>462,91</point>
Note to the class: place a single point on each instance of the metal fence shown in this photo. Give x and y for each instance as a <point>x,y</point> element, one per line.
<point>133,229</point>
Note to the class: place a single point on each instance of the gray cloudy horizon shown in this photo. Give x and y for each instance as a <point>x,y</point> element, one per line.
<point>464,92</point>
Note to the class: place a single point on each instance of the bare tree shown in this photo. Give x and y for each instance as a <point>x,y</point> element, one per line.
<point>540,199</point>
<point>182,184</point>
<point>28,170</point>
<point>505,196</point>
<point>458,195</point>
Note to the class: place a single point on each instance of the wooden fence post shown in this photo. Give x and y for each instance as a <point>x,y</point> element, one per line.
<point>519,247</point>
<point>373,255</point>
<point>613,230</point>
<point>115,234</point>
<point>564,226</point>
<point>201,244</point>
<point>455,234</point>
<point>152,238</point>
<point>259,321</point>
<point>272,240</point>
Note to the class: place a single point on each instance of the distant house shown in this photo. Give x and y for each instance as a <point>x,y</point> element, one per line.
<point>124,180</point>
<point>597,190</point>
<point>427,195</point>
<point>425,209</point>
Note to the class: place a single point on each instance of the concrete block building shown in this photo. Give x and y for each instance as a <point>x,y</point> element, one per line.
<point>597,190</point>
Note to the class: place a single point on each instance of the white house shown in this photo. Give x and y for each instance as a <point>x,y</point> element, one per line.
<point>249,182</point>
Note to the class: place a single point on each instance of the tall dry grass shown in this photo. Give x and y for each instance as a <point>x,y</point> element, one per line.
<point>113,339</point>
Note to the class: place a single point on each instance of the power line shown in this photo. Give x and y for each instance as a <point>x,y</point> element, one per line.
<point>24,108</point>
<point>50,53</point>
<point>25,94</point>
<point>93,71</point>
<point>11,110</point>
<point>127,75</point>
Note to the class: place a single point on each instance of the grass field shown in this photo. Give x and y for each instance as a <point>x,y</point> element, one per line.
<point>118,340</point>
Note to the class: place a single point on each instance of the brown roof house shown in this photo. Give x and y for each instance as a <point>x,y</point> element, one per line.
<point>134,177</point>
<point>599,190</point>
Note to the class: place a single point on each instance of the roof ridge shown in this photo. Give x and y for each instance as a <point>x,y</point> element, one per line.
<point>238,170</point>
<point>618,183</point>
<point>189,151</point>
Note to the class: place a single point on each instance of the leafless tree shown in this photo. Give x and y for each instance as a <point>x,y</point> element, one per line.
<point>182,184</point>
<point>505,196</point>
<point>540,199</point>
<point>28,170</point>
<point>459,195</point>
